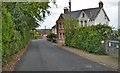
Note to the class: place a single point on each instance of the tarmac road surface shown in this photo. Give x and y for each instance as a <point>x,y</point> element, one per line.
<point>42,55</point>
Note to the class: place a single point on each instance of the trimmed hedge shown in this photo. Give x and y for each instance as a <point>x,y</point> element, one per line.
<point>18,22</point>
<point>89,38</point>
<point>12,40</point>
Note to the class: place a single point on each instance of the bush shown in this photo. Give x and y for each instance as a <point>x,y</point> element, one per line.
<point>17,21</point>
<point>35,34</point>
<point>7,34</point>
<point>89,38</point>
<point>51,37</point>
<point>12,40</point>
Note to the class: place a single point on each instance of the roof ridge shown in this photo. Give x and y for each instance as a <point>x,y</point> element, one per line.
<point>91,8</point>
<point>84,9</point>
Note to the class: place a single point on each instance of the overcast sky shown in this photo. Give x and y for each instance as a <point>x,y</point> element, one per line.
<point>110,6</point>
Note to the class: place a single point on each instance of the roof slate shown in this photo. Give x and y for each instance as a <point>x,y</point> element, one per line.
<point>55,26</point>
<point>90,12</point>
<point>73,14</point>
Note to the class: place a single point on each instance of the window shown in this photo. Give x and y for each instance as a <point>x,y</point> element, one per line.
<point>85,23</point>
<point>63,35</point>
<point>81,23</point>
<point>60,36</point>
<point>83,15</point>
<point>61,26</point>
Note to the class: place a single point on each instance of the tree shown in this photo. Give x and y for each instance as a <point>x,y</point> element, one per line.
<point>18,19</point>
<point>7,33</point>
<point>70,27</point>
<point>31,12</point>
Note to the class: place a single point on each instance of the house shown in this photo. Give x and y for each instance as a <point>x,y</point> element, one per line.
<point>44,32</point>
<point>85,17</point>
<point>54,29</point>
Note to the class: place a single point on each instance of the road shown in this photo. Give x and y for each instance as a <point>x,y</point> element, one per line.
<point>42,55</point>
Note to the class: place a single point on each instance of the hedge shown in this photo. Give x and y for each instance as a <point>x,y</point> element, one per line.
<point>18,22</point>
<point>89,38</point>
<point>12,40</point>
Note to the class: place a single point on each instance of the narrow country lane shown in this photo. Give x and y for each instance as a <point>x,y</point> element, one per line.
<point>42,55</point>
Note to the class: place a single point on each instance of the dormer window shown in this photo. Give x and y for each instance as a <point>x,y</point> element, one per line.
<point>83,15</point>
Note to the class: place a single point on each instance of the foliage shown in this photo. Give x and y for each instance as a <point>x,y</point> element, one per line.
<point>7,33</point>
<point>51,37</point>
<point>35,34</point>
<point>86,38</point>
<point>119,39</point>
<point>119,32</point>
<point>18,21</point>
<point>30,12</point>
<point>70,25</point>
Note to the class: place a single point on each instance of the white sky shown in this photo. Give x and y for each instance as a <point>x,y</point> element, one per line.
<point>110,6</point>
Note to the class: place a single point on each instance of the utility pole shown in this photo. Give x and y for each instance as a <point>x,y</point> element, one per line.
<point>45,29</point>
<point>69,5</point>
<point>70,9</point>
<point>70,13</point>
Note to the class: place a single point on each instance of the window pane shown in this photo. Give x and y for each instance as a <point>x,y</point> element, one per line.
<point>60,35</point>
<point>83,15</point>
<point>60,25</point>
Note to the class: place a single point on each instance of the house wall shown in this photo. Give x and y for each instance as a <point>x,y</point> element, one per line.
<point>91,22</point>
<point>101,18</point>
<point>60,30</point>
<point>54,30</point>
<point>85,18</point>
<point>60,40</point>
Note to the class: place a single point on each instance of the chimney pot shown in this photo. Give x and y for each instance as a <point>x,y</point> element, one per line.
<point>101,4</point>
<point>65,10</point>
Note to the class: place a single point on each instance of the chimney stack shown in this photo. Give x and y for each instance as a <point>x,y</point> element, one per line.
<point>66,10</point>
<point>101,4</point>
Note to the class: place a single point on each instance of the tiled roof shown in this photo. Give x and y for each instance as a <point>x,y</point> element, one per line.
<point>90,12</point>
<point>73,14</point>
<point>54,26</point>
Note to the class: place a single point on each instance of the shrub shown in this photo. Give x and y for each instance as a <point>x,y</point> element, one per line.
<point>87,38</point>
<point>35,34</point>
<point>51,37</point>
<point>12,39</point>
